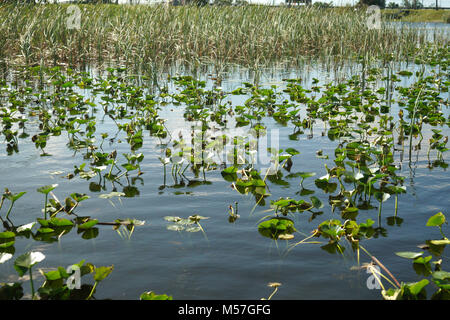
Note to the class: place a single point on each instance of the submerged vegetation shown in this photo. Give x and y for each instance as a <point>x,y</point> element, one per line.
<point>117,124</point>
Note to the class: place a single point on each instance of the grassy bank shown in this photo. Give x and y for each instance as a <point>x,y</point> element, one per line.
<point>249,36</point>
<point>423,15</point>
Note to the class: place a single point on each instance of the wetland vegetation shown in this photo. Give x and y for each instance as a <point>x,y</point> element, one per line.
<point>164,147</point>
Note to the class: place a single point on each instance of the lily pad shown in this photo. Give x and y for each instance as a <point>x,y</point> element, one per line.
<point>275,227</point>
<point>27,260</point>
<point>409,255</point>
<point>436,221</point>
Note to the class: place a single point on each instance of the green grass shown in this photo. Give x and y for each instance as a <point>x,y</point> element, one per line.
<point>423,15</point>
<point>140,35</point>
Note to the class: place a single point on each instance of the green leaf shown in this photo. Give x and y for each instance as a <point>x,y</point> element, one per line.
<point>78,197</point>
<point>175,227</point>
<point>422,260</point>
<point>441,279</point>
<point>60,222</point>
<point>172,218</point>
<point>391,294</point>
<point>305,175</point>
<point>316,202</point>
<point>436,221</point>
<point>440,242</point>
<point>409,255</point>
<point>7,235</point>
<point>45,230</point>
<point>275,227</point>
<point>416,287</point>
<point>52,275</point>
<point>102,272</point>
<point>89,224</point>
<point>11,291</point>
<point>47,189</point>
<point>111,194</point>
<point>292,151</point>
<point>27,260</point>
<point>150,295</point>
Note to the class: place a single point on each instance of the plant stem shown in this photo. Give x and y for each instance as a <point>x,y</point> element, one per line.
<point>396,205</point>
<point>45,206</point>
<point>9,210</point>
<point>274,291</point>
<point>32,285</point>
<point>92,291</point>
<point>379,214</point>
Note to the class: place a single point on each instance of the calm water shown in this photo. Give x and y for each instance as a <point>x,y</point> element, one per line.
<point>234,261</point>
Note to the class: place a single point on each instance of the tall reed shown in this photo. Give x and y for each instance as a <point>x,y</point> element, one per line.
<point>161,35</point>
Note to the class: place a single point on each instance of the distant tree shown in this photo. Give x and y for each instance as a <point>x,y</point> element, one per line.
<point>380,3</point>
<point>393,5</point>
<point>412,4</point>
<point>323,4</point>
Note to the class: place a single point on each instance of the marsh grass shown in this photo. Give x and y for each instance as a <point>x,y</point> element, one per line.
<point>143,36</point>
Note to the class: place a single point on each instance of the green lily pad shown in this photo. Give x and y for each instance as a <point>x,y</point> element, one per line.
<point>47,189</point>
<point>27,260</point>
<point>7,235</point>
<point>102,272</point>
<point>409,255</point>
<point>175,227</point>
<point>440,242</point>
<point>274,227</point>
<point>89,224</point>
<point>437,220</point>
<point>441,279</point>
<point>153,296</point>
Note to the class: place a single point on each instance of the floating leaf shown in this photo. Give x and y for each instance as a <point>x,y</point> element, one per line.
<point>150,295</point>
<point>111,195</point>
<point>89,224</point>
<point>440,242</point>
<point>305,175</point>
<point>7,235</point>
<point>316,202</point>
<point>193,229</point>
<point>197,218</point>
<point>409,255</point>
<point>45,230</point>
<point>416,287</point>
<point>422,260</point>
<point>172,219</point>
<point>175,227</point>
<point>275,227</point>
<point>441,279</point>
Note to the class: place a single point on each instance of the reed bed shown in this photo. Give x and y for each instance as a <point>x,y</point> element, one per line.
<point>161,35</point>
